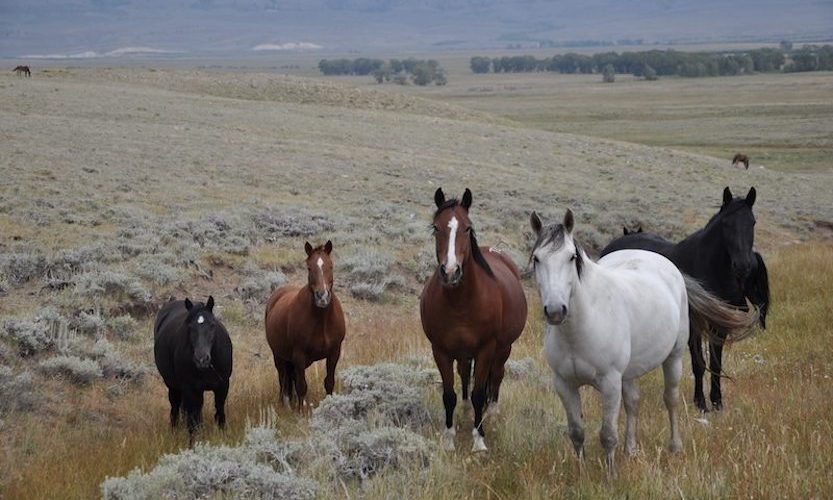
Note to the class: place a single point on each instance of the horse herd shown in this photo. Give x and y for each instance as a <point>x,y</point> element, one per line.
<point>608,321</point>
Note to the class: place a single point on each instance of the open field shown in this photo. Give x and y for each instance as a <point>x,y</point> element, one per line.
<point>123,187</point>
<point>783,121</point>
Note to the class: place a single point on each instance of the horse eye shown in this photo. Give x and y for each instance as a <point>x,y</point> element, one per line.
<point>468,229</point>
<point>572,257</point>
<point>534,260</point>
<point>435,229</point>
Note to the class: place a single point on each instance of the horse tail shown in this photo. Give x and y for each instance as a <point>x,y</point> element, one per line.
<point>708,314</point>
<point>756,288</point>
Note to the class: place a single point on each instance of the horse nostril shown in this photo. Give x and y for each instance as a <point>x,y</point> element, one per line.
<point>563,310</point>
<point>546,313</point>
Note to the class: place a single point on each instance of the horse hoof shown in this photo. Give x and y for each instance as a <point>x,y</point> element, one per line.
<point>717,405</point>
<point>478,445</point>
<point>630,450</point>
<point>448,439</point>
<point>675,447</point>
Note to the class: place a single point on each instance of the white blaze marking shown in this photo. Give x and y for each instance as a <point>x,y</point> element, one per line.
<point>200,320</point>
<point>321,268</point>
<point>451,259</point>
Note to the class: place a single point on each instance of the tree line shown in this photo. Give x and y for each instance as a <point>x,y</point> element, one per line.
<point>401,71</point>
<point>653,63</point>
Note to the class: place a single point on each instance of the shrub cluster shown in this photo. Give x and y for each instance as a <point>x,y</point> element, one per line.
<point>252,470</point>
<point>416,71</point>
<point>369,275</point>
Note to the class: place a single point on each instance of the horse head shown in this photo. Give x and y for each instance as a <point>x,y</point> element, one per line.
<point>203,329</point>
<point>557,261</point>
<point>320,273</point>
<point>737,228</point>
<point>454,236</point>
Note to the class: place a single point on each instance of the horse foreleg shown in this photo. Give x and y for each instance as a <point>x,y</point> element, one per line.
<point>175,398</point>
<point>672,370</point>
<point>330,379</point>
<point>192,401</point>
<point>446,368</point>
<point>698,368</point>
<point>571,400</point>
<point>464,369</point>
<point>220,395</point>
<point>482,366</point>
<point>715,364</point>
<point>630,395</point>
<point>300,383</point>
<point>611,389</point>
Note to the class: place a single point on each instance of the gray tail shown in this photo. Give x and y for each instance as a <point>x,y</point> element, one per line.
<point>709,314</point>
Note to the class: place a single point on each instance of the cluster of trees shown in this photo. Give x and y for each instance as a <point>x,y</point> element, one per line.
<point>653,63</point>
<point>401,71</point>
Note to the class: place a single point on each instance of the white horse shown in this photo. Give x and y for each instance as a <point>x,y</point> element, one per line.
<point>612,321</point>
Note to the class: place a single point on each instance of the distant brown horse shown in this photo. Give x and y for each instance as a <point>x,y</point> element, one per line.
<point>23,70</point>
<point>306,324</point>
<point>740,158</point>
<point>472,308</point>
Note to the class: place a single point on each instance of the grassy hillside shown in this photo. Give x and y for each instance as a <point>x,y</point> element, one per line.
<point>122,188</point>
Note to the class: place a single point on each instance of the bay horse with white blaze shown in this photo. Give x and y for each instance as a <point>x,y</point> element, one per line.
<point>610,322</point>
<point>193,353</point>
<point>305,324</point>
<point>472,309</point>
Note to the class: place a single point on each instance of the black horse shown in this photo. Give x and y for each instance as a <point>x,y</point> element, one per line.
<point>721,256</point>
<point>193,353</point>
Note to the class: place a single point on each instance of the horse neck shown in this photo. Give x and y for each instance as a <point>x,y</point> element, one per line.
<point>706,245</point>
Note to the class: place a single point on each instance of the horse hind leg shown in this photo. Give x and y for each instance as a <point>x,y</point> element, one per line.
<point>630,396</point>
<point>672,370</point>
<point>464,369</point>
<point>482,367</point>
<point>496,375</point>
<point>698,368</point>
<point>715,365</point>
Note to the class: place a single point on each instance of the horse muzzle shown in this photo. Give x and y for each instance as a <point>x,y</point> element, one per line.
<point>555,316</point>
<point>322,298</point>
<point>453,279</point>
<point>202,362</point>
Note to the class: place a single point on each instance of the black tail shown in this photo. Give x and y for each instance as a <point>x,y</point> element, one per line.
<point>756,288</point>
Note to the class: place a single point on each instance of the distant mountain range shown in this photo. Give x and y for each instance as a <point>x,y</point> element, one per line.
<point>118,28</point>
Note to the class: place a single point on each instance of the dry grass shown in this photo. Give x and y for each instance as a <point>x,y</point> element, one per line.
<point>114,163</point>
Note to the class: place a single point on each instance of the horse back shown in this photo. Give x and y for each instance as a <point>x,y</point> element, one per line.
<point>639,241</point>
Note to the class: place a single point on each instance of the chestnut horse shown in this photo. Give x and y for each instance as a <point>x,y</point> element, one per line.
<point>472,308</point>
<point>306,324</point>
<point>740,158</point>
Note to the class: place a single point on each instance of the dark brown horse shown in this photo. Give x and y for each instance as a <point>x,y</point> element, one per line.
<point>23,70</point>
<point>740,158</point>
<point>472,308</point>
<point>305,324</point>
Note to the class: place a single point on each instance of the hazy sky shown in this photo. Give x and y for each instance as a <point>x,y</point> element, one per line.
<point>117,28</point>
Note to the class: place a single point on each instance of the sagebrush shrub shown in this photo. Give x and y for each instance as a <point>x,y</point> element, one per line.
<point>77,370</point>
<point>17,391</point>
<point>19,267</point>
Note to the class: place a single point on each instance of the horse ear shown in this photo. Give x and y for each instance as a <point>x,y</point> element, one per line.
<point>639,229</point>
<point>439,197</point>
<point>750,196</point>
<point>188,304</point>
<point>569,221</point>
<point>328,247</point>
<point>535,222</point>
<point>210,304</point>
<point>727,196</point>
<point>625,230</point>
<point>466,203</point>
<point>308,248</point>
